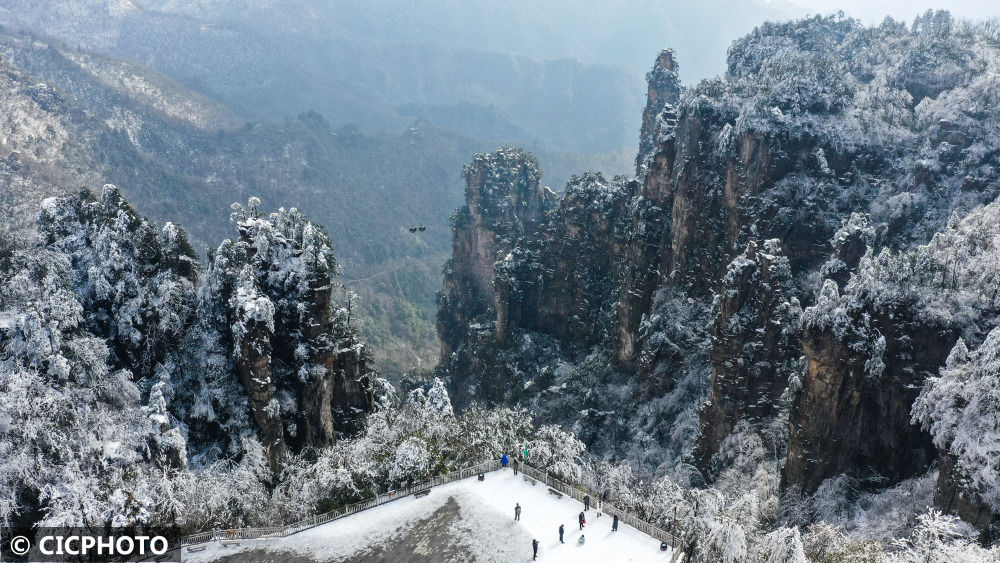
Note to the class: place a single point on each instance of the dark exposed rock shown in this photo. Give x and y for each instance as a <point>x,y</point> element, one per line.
<point>853,412</point>
<point>306,374</point>
<point>254,368</point>
<point>755,346</point>
<point>350,378</point>
<point>662,93</point>
<point>849,243</point>
<point>504,200</point>
<point>647,254</point>
<point>542,286</point>
<point>539,282</point>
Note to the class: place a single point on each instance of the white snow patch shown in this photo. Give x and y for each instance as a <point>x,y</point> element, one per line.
<point>487,520</point>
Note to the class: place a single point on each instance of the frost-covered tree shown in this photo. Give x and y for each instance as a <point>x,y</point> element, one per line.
<point>79,441</point>
<point>961,410</point>
<point>939,538</point>
<point>724,541</point>
<point>410,463</point>
<point>558,451</point>
<point>135,281</point>
<point>123,401</point>
<point>783,545</point>
<point>490,433</point>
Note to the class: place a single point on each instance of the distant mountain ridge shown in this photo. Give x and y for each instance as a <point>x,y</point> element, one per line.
<point>265,73</point>
<point>73,119</point>
<point>267,65</point>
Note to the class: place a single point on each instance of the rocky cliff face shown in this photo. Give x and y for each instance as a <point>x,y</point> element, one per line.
<point>305,372</point>
<point>504,200</point>
<point>829,193</point>
<point>647,260</point>
<point>857,392</point>
<point>253,364</point>
<point>952,496</point>
<point>662,93</point>
<point>755,346</point>
<point>541,284</point>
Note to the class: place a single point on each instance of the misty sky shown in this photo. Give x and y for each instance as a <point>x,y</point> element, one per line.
<point>872,11</point>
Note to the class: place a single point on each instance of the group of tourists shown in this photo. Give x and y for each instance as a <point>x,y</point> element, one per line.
<point>581,518</point>
<point>504,461</point>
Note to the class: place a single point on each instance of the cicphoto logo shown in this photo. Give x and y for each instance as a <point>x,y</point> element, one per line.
<point>74,544</point>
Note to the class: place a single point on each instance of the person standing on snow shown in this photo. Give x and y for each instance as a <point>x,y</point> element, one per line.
<point>517,512</point>
<point>534,549</point>
<point>586,502</point>
<point>583,520</point>
<point>515,466</point>
<point>503,460</point>
<point>614,524</point>
<point>561,529</point>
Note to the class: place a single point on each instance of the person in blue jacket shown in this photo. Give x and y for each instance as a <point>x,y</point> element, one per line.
<point>503,460</point>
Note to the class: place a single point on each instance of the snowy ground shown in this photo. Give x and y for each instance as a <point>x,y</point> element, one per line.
<point>463,521</point>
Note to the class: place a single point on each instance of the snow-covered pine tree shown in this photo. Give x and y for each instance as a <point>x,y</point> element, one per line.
<point>76,448</point>
<point>135,281</point>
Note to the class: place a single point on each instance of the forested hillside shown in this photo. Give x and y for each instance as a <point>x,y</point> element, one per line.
<point>141,389</point>
<point>244,124</point>
<point>273,60</point>
<point>777,338</point>
<point>786,293</point>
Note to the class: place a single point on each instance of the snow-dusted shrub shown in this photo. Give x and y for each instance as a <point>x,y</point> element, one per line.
<point>940,538</point>
<point>410,463</point>
<point>486,434</point>
<point>553,449</point>
<point>438,400</point>
<point>724,541</point>
<point>961,410</point>
<point>822,541</point>
<point>226,494</point>
<point>313,485</point>
<point>435,402</point>
<point>783,545</point>
<point>830,311</point>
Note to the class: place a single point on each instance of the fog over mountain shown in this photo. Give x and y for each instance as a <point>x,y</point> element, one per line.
<point>559,78</point>
<point>525,71</point>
